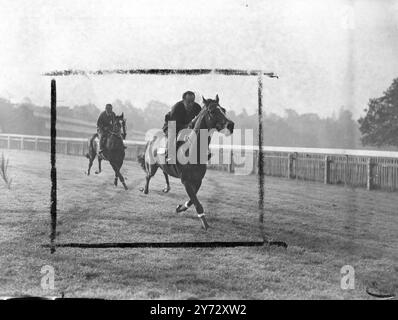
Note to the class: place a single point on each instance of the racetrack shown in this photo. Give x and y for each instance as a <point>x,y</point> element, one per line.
<point>326,228</point>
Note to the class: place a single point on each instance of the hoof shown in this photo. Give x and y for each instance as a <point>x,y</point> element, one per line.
<point>97,172</point>
<point>143,190</point>
<point>181,208</point>
<point>165,190</point>
<point>203,220</point>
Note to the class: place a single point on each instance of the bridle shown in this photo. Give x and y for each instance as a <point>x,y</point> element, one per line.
<point>203,113</point>
<point>117,128</point>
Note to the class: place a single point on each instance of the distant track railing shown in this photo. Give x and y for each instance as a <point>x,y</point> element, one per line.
<point>369,169</point>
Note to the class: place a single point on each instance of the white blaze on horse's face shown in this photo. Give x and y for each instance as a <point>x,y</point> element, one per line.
<point>228,124</point>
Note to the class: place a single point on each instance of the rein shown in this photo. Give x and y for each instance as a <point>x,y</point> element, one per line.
<point>195,123</point>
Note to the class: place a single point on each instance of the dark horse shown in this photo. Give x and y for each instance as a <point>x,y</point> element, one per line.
<point>114,149</point>
<point>212,116</point>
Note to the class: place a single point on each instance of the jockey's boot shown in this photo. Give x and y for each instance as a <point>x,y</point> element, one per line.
<point>101,147</point>
<point>166,156</point>
<point>101,154</point>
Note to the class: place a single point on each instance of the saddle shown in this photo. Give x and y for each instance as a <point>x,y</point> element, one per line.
<point>162,143</point>
<point>107,135</point>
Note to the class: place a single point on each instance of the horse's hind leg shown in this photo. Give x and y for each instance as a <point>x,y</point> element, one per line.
<point>167,187</point>
<point>150,172</point>
<point>99,166</point>
<point>90,164</point>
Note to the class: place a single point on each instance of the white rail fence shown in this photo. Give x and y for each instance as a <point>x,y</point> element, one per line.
<point>357,168</point>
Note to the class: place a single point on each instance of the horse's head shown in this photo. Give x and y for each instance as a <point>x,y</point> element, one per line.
<point>215,116</point>
<point>119,127</point>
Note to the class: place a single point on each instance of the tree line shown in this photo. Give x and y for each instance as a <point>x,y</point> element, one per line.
<point>377,128</point>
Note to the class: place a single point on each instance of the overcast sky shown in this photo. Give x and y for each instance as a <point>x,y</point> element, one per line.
<point>328,54</point>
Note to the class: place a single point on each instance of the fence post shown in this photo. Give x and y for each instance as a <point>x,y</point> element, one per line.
<point>21,145</point>
<point>295,161</point>
<point>231,168</point>
<point>369,180</point>
<point>346,170</point>
<point>9,142</point>
<point>290,166</point>
<point>327,170</point>
<point>36,143</point>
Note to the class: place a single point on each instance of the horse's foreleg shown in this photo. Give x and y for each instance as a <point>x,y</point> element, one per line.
<point>116,178</point>
<point>167,187</point>
<point>146,188</point>
<point>184,207</point>
<point>122,181</point>
<point>150,172</point>
<point>119,175</point>
<point>187,204</point>
<point>191,189</point>
<point>90,164</point>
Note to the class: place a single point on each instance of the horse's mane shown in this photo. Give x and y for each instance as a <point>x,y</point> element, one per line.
<point>195,122</point>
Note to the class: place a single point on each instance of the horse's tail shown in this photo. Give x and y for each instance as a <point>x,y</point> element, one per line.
<point>141,158</point>
<point>91,146</point>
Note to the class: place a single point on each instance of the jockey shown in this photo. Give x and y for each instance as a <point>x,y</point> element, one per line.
<point>105,123</point>
<point>182,112</point>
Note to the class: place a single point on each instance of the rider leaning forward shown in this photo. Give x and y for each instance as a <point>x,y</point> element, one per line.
<point>105,123</point>
<point>183,112</point>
